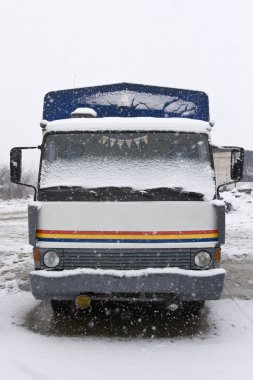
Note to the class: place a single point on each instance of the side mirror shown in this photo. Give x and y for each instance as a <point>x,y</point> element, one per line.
<point>237,160</point>
<point>15,165</point>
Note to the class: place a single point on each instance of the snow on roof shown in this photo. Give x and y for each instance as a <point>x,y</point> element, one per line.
<point>169,104</point>
<point>129,124</point>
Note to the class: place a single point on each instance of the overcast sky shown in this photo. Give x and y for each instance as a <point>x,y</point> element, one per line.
<point>56,44</point>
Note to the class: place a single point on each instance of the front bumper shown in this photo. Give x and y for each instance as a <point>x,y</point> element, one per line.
<point>186,285</point>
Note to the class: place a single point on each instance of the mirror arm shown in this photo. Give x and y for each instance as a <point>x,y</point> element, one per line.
<point>27,147</point>
<point>224,184</point>
<point>33,187</point>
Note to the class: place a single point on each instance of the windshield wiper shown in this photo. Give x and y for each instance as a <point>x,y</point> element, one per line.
<point>61,187</point>
<point>108,189</point>
<point>125,191</point>
<point>175,190</point>
<point>91,190</point>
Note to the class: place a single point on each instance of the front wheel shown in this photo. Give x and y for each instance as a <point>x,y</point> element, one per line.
<point>62,307</point>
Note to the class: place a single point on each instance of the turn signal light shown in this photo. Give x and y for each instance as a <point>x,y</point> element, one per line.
<point>36,255</point>
<point>217,255</point>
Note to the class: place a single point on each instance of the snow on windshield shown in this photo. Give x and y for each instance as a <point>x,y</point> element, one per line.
<point>142,162</point>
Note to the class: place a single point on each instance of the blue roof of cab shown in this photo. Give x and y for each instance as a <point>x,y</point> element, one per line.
<point>128,100</point>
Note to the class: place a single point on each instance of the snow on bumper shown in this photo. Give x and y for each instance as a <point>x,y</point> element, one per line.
<point>184,284</point>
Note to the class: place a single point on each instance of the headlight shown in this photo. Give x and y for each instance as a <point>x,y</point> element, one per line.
<point>51,259</point>
<point>202,259</point>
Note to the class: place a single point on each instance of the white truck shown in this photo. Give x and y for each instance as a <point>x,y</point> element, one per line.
<point>126,205</point>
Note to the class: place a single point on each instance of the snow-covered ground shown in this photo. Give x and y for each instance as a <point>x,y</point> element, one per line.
<point>219,346</point>
<point>15,253</point>
<point>239,224</point>
<point>132,343</point>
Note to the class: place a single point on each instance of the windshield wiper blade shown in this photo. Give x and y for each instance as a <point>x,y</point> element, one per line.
<point>165,189</point>
<point>112,188</point>
<point>194,194</point>
<point>126,191</point>
<point>178,190</point>
<point>59,187</point>
<point>106,189</point>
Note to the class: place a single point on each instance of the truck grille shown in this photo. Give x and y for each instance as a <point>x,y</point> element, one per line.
<point>127,259</point>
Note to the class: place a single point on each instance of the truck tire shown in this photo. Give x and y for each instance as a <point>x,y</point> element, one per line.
<point>193,307</point>
<point>62,307</point>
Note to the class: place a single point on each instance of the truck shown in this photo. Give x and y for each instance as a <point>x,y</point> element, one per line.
<point>126,207</point>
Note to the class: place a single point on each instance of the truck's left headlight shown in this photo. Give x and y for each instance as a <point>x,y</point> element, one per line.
<point>203,259</point>
<point>51,259</point>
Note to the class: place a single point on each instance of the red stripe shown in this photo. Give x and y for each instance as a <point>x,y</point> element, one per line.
<point>126,232</point>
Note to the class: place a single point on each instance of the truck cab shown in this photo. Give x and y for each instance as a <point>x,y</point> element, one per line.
<point>127,206</point>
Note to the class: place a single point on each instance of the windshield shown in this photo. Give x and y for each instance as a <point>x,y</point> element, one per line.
<point>135,160</point>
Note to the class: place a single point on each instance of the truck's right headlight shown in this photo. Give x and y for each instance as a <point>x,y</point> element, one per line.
<point>202,259</point>
<point>51,259</point>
